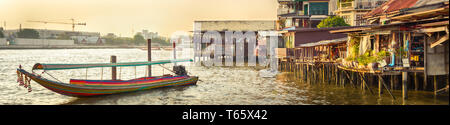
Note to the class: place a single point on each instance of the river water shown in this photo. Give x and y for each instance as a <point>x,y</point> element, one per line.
<point>218,85</point>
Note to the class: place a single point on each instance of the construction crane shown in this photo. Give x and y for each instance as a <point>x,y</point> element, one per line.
<point>73,23</point>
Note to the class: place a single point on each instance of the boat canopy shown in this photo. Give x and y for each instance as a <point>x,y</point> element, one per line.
<point>40,66</point>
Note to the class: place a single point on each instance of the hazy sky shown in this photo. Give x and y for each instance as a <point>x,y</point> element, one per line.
<point>123,16</point>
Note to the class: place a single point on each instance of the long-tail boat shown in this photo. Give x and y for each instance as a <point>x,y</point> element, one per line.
<point>86,88</point>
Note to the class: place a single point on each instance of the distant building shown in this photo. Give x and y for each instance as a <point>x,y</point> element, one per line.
<point>301,13</point>
<point>88,40</point>
<point>236,25</point>
<point>77,37</point>
<point>42,42</point>
<point>149,35</point>
<point>54,34</point>
<point>223,26</point>
<point>3,42</point>
<point>111,35</point>
<point>353,10</point>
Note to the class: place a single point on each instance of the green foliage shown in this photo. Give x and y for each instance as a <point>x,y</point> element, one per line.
<point>366,58</point>
<point>402,51</point>
<point>138,39</point>
<point>332,21</point>
<point>1,34</point>
<point>371,57</point>
<point>28,33</point>
<point>382,54</point>
<point>118,40</point>
<point>161,41</point>
<point>282,23</point>
<point>354,49</point>
<point>63,36</point>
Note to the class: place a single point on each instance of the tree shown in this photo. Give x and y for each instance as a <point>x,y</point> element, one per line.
<point>28,33</point>
<point>1,34</point>
<point>161,41</point>
<point>63,36</point>
<point>332,21</point>
<point>138,39</point>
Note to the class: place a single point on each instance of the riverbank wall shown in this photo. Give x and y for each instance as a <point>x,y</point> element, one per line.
<point>67,47</point>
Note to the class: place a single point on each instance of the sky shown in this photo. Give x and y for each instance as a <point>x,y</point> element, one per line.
<point>126,17</point>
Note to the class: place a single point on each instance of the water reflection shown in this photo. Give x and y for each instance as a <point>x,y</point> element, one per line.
<point>218,85</point>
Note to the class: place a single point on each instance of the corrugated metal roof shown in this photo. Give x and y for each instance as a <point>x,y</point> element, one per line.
<point>324,42</point>
<point>395,5</point>
<point>420,3</point>
<point>392,5</point>
<point>296,29</point>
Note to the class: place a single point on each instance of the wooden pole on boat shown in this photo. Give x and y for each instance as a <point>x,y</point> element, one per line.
<point>174,52</point>
<point>149,55</point>
<point>114,69</point>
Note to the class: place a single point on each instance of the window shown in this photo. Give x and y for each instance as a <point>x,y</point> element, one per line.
<point>319,8</point>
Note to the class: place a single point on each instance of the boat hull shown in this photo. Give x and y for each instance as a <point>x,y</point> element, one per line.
<point>88,90</point>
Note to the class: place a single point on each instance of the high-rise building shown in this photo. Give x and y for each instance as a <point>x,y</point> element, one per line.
<point>149,35</point>
<point>353,10</point>
<point>301,13</point>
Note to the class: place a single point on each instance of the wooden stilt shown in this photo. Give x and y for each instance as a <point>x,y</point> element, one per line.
<point>350,78</point>
<point>336,76</point>
<point>365,85</point>
<point>405,85</point>
<point>363,82</point>
<point>323,73</point>
<point>425,56</point>
<point>343,78</point>
<point>416,82</point>
<point>329,74</point>
<point>435,85</point>
<point>392,81</point>
<point>380,86</point>
<point>385,86</point>
<point>353,79</point>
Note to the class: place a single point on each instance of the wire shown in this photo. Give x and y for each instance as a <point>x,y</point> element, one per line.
<point>52,76</point>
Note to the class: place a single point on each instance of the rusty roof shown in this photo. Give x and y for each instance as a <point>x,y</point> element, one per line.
<point>396,5</point>
<point>390,6</point>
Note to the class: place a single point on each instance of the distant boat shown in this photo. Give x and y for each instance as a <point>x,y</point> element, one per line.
<point>153,48</point>
<point>156,48</point>
<point>86,88</point>
<point>167,48</point>
<point>171,49</point>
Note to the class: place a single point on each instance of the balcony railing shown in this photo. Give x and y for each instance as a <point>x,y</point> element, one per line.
<point>366,4</point>
<point>346,5</point>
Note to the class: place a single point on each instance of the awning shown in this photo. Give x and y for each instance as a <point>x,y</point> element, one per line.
<point>325,42</point>
<point>423,14</point>
<point>385,32</point>
<point>349,30</point>
<point>434,29</point>
<point>96,65</point>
